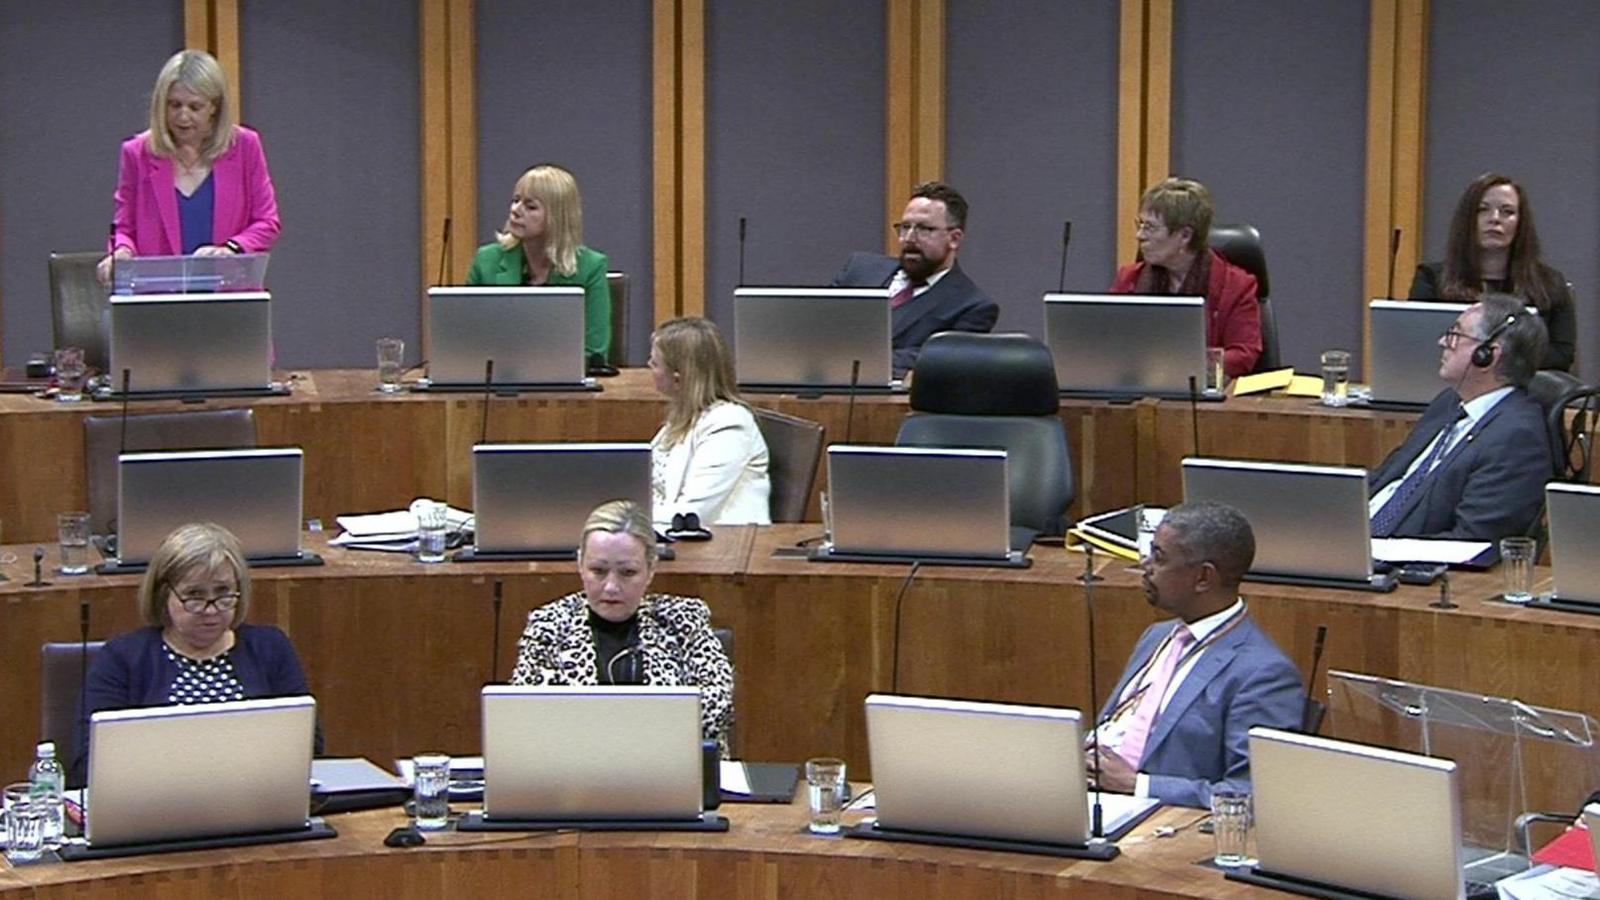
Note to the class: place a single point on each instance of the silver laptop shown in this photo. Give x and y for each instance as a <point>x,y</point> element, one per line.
<point>809,338</point>
<point>1122,345</point>
<point>577,752</point>
<point>1356,817</point>
<point>255,493</point>
<point>1405,349</point>
<point>1574,541</point>
<point>927,503</point>
<point>213,769</point>
<point>987,770</point>
<point>192,343</point>
<point>534,498</point>
<point>1309,521</point>
<point>533,334</point>
<point>1591,819</point>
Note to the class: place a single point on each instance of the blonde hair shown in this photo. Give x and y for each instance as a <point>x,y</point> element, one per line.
<point>621,517</point>
<point>692,348</point>
<point>557,191</point>
<point>1182,202</point>
<point>188,549</point>
<point>198,71</point>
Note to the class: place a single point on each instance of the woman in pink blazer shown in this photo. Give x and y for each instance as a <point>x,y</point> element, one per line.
<point>195,181</point>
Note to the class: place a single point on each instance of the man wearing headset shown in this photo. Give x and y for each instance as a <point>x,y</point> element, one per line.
<point>1475,465</point>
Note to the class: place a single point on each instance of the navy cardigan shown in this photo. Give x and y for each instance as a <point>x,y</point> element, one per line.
<point>133,670</point>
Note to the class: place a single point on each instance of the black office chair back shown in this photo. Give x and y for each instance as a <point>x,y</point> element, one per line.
<point>794,449</point>
<point>217,429</point>
<point>618,284</point>
<point>1241,245</point>
<point>61,667</point>
<point>79,306</point>
<point>997,390</point>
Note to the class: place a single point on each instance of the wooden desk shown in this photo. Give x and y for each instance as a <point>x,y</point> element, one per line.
<point>367,452</point>
<point>766,853</point>
<point>396,652</point>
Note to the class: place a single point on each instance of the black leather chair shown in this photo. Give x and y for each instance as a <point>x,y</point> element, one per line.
<point>61,668</point>
<point>618,283</point>
<point>221,429</point>
<point>1241,245</point>
<point>794,449</point>
<point>997,390</point>
<point>1571,408</point>
<point>80,306</point>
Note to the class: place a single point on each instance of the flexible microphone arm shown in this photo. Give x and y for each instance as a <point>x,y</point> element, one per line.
<point>1194,414</point>
<point>1066,240</point>
<point>1097,817</point>
<point>899,597</point>
<point>494,645</point>
<point>444,250</point>
<point>741,251</point>
<point>1394,251</point>
<point>850,405</point>
<point>488,383</point>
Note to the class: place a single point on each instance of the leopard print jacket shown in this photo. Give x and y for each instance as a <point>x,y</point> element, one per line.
<point>675,641</point>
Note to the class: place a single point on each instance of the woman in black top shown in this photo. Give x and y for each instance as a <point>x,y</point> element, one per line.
<point>1493,246</point>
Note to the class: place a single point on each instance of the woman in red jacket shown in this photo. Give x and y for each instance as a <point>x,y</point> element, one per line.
<point>1174,222</point>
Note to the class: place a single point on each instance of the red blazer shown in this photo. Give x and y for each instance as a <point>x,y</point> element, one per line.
<point>146,220</point>
<point>1233,320</point>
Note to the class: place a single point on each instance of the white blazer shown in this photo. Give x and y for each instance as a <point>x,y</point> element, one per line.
<point>718,472</point>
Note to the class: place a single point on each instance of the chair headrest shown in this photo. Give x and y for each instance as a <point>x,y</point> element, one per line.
<point>1550,386</point>
<point>1241,245</point>
<point>960,373</point>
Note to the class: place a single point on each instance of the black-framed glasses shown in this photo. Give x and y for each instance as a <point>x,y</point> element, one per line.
<point>196,604</point>
<point>1453,336</point>
<point>917,230</point>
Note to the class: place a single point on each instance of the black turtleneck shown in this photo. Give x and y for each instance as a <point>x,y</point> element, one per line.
<point>611,639</point>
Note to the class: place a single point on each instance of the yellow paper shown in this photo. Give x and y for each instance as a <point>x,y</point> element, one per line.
<point>1262,381</point>
<point>1304,386</point>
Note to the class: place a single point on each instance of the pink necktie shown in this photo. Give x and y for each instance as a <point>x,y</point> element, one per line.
<point>904,295</point>
<point>1144,715</point>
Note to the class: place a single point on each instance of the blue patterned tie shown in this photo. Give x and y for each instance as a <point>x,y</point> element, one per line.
<point>1388,515</point>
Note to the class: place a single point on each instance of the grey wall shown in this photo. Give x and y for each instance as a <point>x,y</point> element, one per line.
<point>794,141</point>
<point>568,82</point>
<point>1516,88</point>
<point>332,87</point>
<point>1031,141</point>
<point>76,78</point>
<point>1269,110</point>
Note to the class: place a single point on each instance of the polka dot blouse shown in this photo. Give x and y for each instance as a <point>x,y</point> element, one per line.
<point>203,680</point>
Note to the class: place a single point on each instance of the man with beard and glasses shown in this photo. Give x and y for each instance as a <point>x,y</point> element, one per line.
<point>1176,725</point>
<point>928,291</point>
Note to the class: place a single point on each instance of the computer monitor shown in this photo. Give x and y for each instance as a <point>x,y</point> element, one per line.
<point>1310,522</point>
<point>171,773</point>
<point>1405,349</point>
<point>1124,346</point>
<point>808,339</point>
<point>534,335</point>
<point>192,344</point>
<point>531,500</point>
<point>1574,541</point>
<point>945,505</point>
<point>254,493</point>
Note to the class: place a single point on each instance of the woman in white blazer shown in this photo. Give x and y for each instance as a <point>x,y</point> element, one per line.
<point>709,457</point>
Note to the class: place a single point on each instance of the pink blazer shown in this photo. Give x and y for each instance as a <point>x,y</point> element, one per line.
<point>146,219</point>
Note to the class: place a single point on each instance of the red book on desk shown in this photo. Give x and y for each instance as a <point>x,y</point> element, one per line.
<point>1572,849</point>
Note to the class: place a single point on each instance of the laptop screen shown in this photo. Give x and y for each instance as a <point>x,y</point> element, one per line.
<point>255,493</point>
<point>1575,540</point>
<point>810,337</point>
<point>192,342</point>
<point>1405,348</point>
<point>1126,345</point>
<point>536,497</point>
<point>533,334</point>
<point>919,502</point>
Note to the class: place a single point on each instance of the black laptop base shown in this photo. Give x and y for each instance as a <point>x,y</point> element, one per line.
<point>813,391</point>
<point>1016,560</point>
<point>198,395</point>
<point>473,554</point>
<point>510,389</point>
<point>1131,396</point>
<point>1411,406</point>
<point>476,821</point>
<point>1308,888</point>
<point>315,830</point>
<point>871,831</point>
<point>300,560</point>
<point>1560,605</point>
<point>1379,583</point>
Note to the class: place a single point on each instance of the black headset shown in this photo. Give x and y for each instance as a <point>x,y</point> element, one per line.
<point>1483,354</point>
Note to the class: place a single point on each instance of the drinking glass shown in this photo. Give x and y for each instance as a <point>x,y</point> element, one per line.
<point>1231,816</point>
<point>430,790</point>
<point>70,370</point>
<point>25,820</point>
<point>391,354</point>
<point>72,533</point>
<point>1516,561</point>
<point>1335,377</point>
<point>824,784</point>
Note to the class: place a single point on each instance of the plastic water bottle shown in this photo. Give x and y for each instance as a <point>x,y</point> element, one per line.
<point>46,779</point>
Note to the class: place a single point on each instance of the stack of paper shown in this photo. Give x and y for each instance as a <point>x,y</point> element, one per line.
<point>393,531</point>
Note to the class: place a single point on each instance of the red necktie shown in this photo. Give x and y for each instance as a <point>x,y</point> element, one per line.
<point>904,295</point>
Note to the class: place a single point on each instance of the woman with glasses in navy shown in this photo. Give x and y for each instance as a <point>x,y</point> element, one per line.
<point>195,646</point>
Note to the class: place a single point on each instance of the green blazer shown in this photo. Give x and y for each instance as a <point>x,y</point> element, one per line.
<point>494,266</point>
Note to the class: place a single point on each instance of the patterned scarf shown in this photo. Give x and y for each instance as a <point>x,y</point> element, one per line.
<point>1155,280</point>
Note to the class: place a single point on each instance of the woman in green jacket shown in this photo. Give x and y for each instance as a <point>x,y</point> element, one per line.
<point>542,244</point>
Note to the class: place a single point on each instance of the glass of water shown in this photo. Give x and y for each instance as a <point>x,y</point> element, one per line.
<point>391,356</point>
<point>70,370</point>
<point>72,533</point>
<point>430,790</point>
<point>431,526</point>
<point>1516,561</point>
<point>25,821</point>
<point>825,784</point>
<point>1231,816</point>
<point>1335,377</point>
<point>1216,377</point>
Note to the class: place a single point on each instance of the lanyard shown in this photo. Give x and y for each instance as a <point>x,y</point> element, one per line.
<point>1132,699</point>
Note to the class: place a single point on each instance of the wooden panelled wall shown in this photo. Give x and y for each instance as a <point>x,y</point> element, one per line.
<point>914,78</point>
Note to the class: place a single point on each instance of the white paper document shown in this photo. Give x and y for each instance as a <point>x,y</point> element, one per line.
<point>1424,550</point>
<point>734,778</point>
<point>1550,883</point>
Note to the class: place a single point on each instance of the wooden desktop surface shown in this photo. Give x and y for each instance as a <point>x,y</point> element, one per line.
<point>396,651</point>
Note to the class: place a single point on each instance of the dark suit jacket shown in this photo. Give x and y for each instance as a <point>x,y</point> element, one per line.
<point>1200,742</point>
<point>1490,484</point>
<point>954,304</point>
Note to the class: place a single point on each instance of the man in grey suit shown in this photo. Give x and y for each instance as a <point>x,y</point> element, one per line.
<point>1175,728</point>
<point>1475,464</point>
<point>928,291</point>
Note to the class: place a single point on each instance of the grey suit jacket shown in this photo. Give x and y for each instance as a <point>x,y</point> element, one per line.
<point>1199,743</point>
<point>954,304</point>
<point>1490,484</point>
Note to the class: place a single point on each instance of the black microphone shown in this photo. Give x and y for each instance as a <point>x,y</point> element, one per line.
<point>1097,815</point>
<point>83,651</point>
<point>1194,414</point>
<point>494,644</point>
<point>1311,720</point>
<point>894,666</point>
<point>38,568</point>
<point>1066,240</point>
<point>122,439</point>
<point>444,250</point>
<point>741,251</point>
<point>488,382</point>
<point>850,405</point>
<point>1394,251</point>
